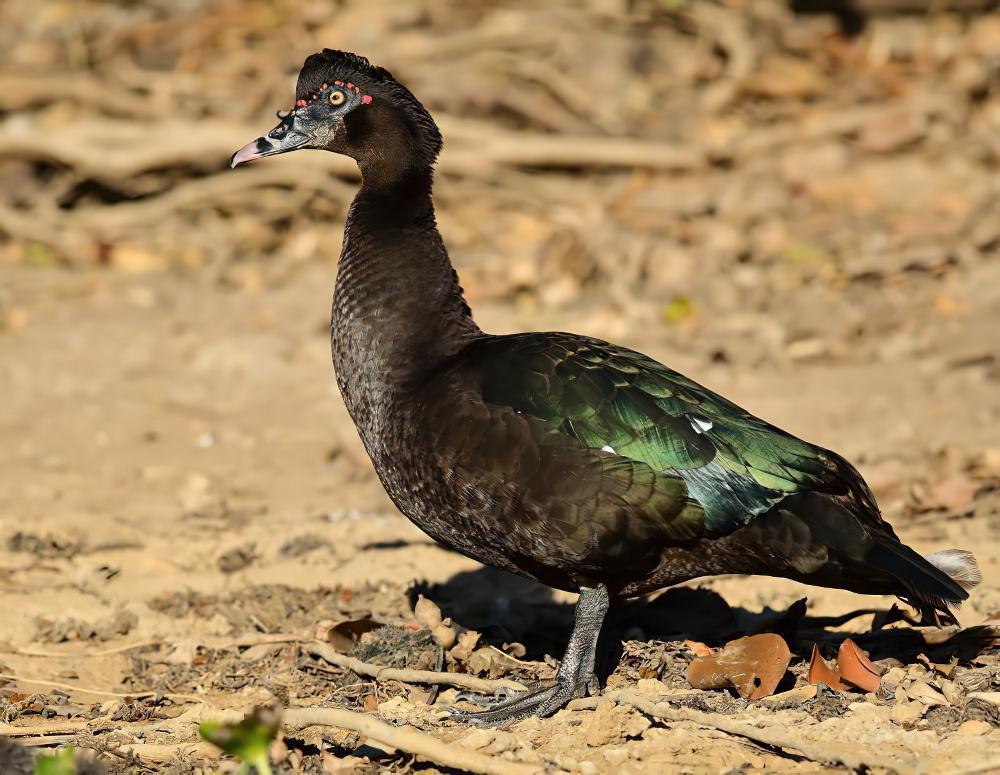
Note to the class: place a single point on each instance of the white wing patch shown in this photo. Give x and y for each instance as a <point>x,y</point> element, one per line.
<point>699,425</point>
<point>608,448</point>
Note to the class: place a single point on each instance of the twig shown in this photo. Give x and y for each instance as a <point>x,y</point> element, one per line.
<point>45,741</point>
<point>23,90</point>
<point>473,147</point>
<point>818,752</point>
<point>89,654</point>
<point>160,752</point>
<point>130,758</point>
<point>100,692</point>
<point>217,644</point>
<point>9,730</point>
<point>212,189</point>
<point>328,654</point>
<point>406,739</point>
<point>729,31</point>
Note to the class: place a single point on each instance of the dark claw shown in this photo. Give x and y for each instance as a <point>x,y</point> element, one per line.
<point>543,701</point>
<point>575,677</point>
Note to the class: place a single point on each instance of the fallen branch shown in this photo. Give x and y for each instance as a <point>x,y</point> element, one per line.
<point>100,692</point>
<point>849,756</point>
<point>212,643</point>
<point>329,654</point>
<point>25,90</point>
<point>729,31</point>
<point>406,739</point>
<point>45,741</point>
<point>57,730</point>
<point>89,655</point>
<point>162,752</point>
<point>120,151</point>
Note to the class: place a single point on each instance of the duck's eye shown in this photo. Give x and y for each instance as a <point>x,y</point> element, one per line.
<point>337,97</point>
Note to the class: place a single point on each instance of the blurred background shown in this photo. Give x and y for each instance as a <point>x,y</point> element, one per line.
<point>794,203</point>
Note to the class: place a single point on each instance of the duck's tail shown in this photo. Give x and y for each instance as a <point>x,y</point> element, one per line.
<point>936,584</point>
<point>959,565</point>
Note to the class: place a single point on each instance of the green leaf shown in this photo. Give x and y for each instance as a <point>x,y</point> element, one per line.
<point>62,762</point>
<point>249,740</point>
<point>679,308</point>
<point>39,255</point>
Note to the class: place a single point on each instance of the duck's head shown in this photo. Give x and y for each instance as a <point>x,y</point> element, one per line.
<point>346,105</point>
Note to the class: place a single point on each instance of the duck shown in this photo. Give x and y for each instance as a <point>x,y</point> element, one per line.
<point>581,464</point>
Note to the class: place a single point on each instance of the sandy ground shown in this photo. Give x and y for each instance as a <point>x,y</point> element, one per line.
<point>183,498</point>
<point>174,440</point>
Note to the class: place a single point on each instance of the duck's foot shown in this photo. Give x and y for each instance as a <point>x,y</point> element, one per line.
<point>514,706</point>
<point>574,679</point>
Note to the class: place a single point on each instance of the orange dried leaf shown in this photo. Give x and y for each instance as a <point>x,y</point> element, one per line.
<point>753,665</point>
<point>856,668</point>
<point>706,673</point>
<point>699,649</point>
<point>821,672</point>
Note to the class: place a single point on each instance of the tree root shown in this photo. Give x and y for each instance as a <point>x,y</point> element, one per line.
<point>406,739</point>
<point>329,654</point>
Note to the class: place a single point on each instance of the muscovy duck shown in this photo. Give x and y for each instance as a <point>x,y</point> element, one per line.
<point>581,464</point>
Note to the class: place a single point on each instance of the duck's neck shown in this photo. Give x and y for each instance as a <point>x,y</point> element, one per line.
<point>398,309</point>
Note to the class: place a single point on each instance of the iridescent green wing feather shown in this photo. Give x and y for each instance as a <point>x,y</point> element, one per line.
<point>617,400</point>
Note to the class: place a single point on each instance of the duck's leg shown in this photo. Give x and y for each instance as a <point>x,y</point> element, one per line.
<point>574,678</point>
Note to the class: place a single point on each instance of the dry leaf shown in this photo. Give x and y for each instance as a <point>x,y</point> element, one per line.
<point>821,672</point>
<point>907,712</point>
<point>856,668</point>
<point>342,635</point>
<point>427,612</point>
<point>135,259</point>
<point>952,692</point>
<point>892,130</point>
<point>699,649</point>
<point>445,634</point>
<point>467,643</point>
<point>973,728</point>
<point>952,492</point>
<point>792,697</point>
<point>925,693</point>
<point>991,697</point>
<point>753,665</point>
<point>893,677</point>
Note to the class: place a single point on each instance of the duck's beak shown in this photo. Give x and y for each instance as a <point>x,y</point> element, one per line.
<point>286,136</point>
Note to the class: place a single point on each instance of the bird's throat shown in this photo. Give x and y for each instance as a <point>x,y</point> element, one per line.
<point>398,308</point>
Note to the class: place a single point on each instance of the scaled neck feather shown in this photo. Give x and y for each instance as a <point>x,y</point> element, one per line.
<point>398,308</point>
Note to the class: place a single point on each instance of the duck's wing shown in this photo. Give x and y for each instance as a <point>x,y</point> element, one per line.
<point>618,401</point>
<point>602,455</point>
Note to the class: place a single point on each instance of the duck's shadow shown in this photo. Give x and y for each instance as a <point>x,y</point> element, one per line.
<point>506,608</point>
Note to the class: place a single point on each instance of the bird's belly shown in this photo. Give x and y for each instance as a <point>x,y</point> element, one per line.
<point>494,530</point>
<point>456,520</point>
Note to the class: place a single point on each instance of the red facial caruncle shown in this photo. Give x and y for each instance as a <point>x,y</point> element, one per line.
<point>366,99</point>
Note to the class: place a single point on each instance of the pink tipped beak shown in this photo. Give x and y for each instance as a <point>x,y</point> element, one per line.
<point>285,137</point>
<point>248,152</point>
